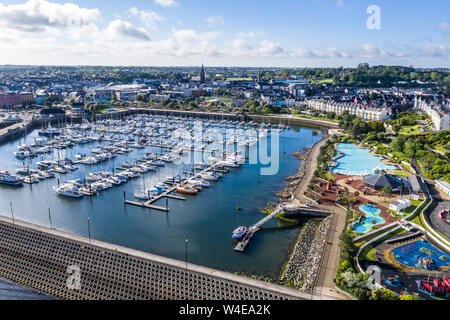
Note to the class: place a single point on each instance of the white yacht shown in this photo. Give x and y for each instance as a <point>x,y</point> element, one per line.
<point>68,190</point>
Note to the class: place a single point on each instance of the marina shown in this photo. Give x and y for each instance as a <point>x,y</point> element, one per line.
<point>106,183</point>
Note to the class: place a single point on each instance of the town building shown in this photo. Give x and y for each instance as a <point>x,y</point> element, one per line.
<point>439,115</point>
<point>362,111</point>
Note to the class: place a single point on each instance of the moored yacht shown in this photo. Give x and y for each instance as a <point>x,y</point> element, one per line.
<point>68,190</point>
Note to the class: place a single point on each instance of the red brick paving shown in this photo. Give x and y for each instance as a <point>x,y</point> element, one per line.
<point>329,196</point>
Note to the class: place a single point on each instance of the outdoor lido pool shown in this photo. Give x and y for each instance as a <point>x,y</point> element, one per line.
<point>357,161</point>
<point>372,218</point>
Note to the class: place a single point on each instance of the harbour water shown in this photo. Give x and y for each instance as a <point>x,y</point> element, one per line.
<point>205,220</point>
<point>10,291</point>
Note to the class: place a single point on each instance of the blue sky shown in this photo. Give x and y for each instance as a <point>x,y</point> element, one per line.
<point>292,33</point>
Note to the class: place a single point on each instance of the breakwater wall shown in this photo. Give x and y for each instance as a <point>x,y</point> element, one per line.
<point>48,260</point>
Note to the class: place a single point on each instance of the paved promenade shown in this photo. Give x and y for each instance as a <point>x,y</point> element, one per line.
<point>330,257</point>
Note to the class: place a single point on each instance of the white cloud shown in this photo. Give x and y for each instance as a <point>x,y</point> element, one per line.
<point>248,35</point>
<point>271,49</point>
<point>444,28</point>
<point>119,28</point>
<point>42,30</point>
<point>215,21</point>
<point>148,18</point>
<point>40,15</point>
<point>185,43</point>
<point>166,3</point>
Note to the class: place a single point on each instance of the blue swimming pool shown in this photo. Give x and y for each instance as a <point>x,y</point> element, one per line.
<point>369,209</point>
<point>371,219</point>
<point>357,161</point>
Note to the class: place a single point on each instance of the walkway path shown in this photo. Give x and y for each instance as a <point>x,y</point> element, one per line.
<point>310,168</point>
<point>330,257</point>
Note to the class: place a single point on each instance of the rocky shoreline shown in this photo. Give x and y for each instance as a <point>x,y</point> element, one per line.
<point>294,180</point>
<point>302,267</point>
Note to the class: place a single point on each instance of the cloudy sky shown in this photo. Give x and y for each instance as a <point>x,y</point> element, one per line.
<point>291,33</point>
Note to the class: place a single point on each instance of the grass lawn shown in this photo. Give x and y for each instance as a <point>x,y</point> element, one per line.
<point>407,167</point>
<point>368,253</point>
<point>404,213</point>
<point>330,80</point>
<point>401,173</point>
<point>410,130</point>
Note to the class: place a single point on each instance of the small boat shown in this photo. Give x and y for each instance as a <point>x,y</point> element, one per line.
<point>128,164</point>
<point>209,176</point>
<point>68,190</point>
<point>172,179</point>
<point>24,171</point>
<point>199,183</point>
<point>186,189</point>
<point>239,232</point>
<point>6,178</point>
<point>142,195</point>
<point>162,186</point>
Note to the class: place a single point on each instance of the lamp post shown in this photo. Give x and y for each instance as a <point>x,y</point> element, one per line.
<point>89,229</point>
<point>12,213</point>
<point>186,251</point>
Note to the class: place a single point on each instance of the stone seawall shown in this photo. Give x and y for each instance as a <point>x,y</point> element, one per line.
<point>39,258</point>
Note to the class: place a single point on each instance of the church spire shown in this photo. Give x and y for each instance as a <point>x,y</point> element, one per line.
<point>202,75</point>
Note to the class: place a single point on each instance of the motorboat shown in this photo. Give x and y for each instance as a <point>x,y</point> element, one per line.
<point>209,176</point>
<point>68,190</point>
<point>186,189</point>
<point>199,183</point>
<point>239,232</point>
<point>11,180</point>
<point>143,195</point>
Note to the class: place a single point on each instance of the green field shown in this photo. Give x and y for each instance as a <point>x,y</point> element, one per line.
<point>330,80</point>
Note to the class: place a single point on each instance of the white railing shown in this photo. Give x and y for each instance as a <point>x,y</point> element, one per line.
<point>355,239</point>
<point>415,210</point>
<point>372,240</point>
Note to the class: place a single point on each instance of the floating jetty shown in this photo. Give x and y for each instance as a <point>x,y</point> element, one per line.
<point>240,247</point>
<point>167,194</point>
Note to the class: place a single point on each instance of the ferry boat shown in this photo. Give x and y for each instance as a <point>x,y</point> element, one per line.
<point>239,232</point>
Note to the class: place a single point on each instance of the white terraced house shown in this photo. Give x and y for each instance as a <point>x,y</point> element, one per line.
<point>439,116</point>
<point>365,112</point>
